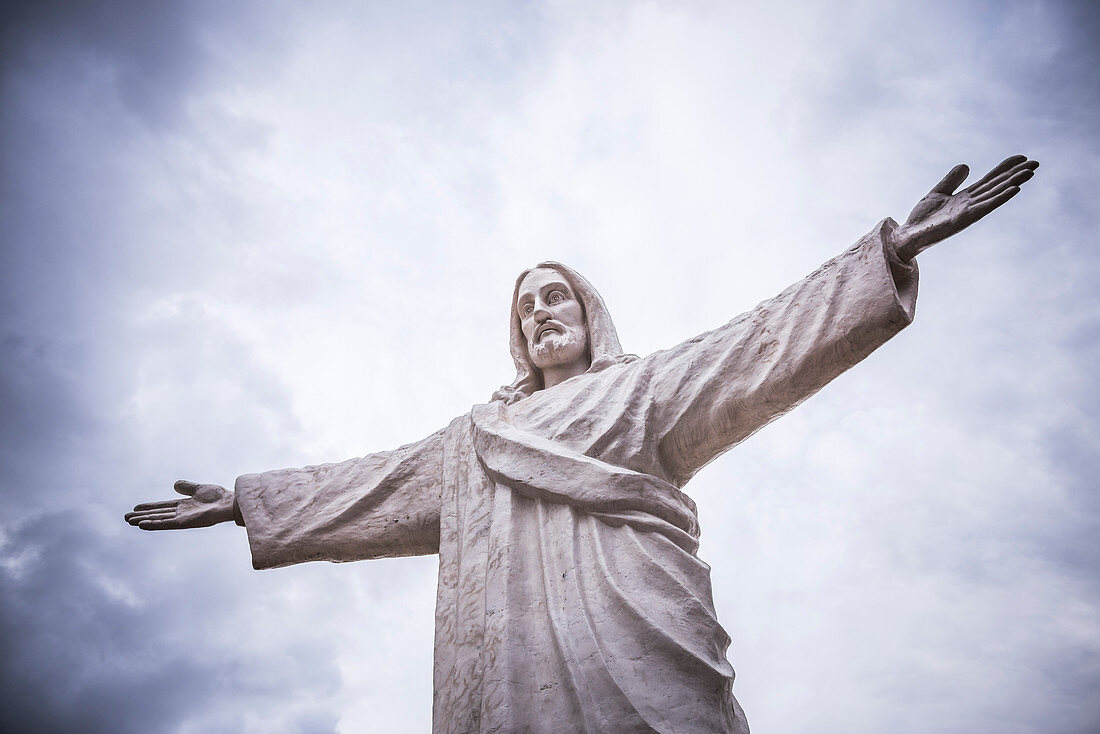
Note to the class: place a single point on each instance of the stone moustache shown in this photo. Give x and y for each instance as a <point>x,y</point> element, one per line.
<point>570,596</point>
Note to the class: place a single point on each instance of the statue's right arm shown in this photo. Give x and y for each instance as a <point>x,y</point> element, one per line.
<point>203,505</point>
<point>713,391</point>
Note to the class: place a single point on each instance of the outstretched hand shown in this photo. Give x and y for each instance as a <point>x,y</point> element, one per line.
<point>204,505</point>
<point>943,212</point>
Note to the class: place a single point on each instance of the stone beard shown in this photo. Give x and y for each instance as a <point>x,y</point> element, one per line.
<point>558,347</point>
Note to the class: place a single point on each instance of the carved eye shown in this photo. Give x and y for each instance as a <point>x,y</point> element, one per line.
<point>528,308</point>
<point>556,297</point>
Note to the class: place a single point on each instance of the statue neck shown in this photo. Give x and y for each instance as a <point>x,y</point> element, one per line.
<point>560,373</point>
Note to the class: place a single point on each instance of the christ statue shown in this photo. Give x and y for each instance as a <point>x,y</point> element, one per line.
<point>570,596</point>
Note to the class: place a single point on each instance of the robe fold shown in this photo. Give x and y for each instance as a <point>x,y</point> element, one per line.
<point>570,596</point>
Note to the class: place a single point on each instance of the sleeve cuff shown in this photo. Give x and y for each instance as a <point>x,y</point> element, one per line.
<point>905,274</point>
<point>237,516</point>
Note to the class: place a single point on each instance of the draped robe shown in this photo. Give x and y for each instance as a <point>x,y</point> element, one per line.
<point>570,596</point>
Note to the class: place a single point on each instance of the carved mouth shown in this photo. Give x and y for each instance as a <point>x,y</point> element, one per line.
<point>546,329</point>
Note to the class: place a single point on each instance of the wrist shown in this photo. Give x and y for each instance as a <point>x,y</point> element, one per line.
<point>904,244</point>
<point>224,510</point>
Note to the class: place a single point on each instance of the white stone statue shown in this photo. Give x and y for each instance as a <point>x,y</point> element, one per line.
<point>570,596</point>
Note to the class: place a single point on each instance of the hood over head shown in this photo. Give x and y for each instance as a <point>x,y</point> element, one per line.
<point>603,341</point>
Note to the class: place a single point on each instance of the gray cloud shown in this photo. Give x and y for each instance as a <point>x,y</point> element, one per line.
<point>153,54</point>
<point>88,645</point>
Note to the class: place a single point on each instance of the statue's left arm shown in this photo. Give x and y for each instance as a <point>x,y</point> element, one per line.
<point>713,391</point>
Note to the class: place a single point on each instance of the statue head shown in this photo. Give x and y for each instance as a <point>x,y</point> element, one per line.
<point>551,318</point>
<point>557,319</point>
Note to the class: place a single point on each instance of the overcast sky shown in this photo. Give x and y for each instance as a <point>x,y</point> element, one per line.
<point>244,236</point>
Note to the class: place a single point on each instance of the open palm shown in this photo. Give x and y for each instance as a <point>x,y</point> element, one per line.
<point>203,505</point>
<point>943,212</point>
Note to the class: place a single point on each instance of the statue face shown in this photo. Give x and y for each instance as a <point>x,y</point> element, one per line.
<point>552,320</point>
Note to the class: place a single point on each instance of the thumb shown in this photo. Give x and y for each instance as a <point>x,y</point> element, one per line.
<point>952,180</point>
<point>185,487</point>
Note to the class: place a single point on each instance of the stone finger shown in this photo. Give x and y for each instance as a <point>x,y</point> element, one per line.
<point>1000,168</point>
<point>155,505</point>
<point>158,525</point>
<point>987,205</point>
<point>952,180</point>
<point>983,188</point>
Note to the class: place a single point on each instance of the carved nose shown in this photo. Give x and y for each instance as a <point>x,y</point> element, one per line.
<point>541,314</point>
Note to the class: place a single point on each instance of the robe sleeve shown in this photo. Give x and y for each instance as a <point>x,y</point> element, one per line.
<point>381,505</point>
<point>715,390</point>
